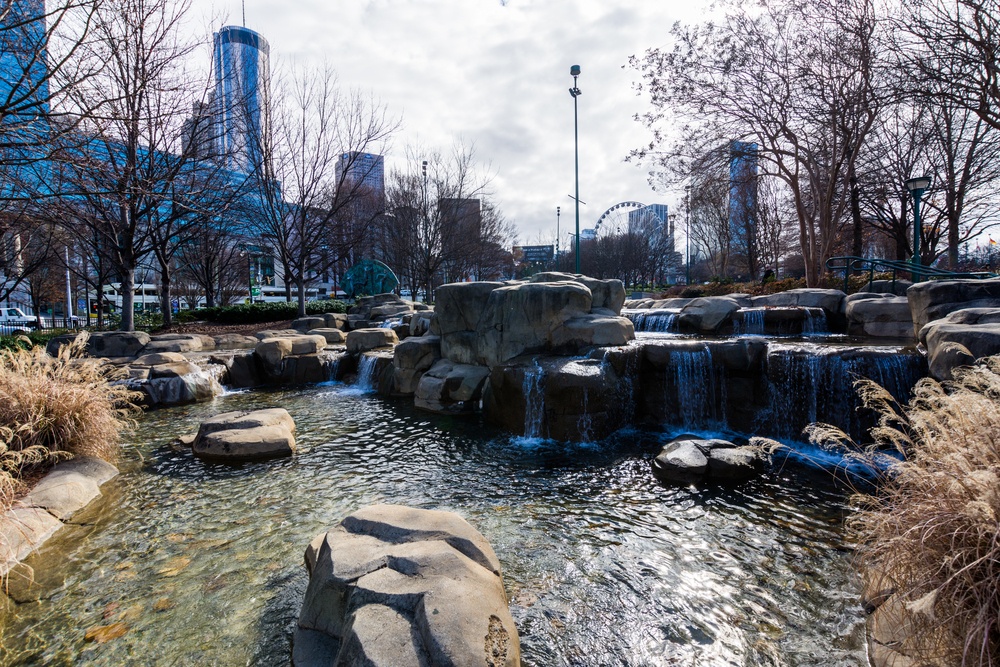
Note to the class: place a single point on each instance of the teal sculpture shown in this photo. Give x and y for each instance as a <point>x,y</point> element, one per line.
<point>369,276</point>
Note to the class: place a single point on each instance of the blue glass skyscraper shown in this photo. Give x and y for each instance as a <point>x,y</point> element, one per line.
<point>24,86</point>
<point>242,84</point>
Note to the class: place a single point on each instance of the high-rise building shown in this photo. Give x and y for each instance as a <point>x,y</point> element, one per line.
<point>362,169</point>
<point>242,89</point>
<point>743,180</point>
<point>24,87</point>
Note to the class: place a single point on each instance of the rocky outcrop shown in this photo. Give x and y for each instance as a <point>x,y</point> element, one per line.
<point>117,344</point>
<point>68,488</point>
<point>179,343</point>
<point>877,315</point>
<point>689,460</point>
<point>959,337</point>
<point>368,311</point>
<point>411,359</point>
<point>707,315</point>
<point>364,340</point>
<point>563,398</point>
<point>829,300</point>
<point>304,324</point>
<point>458,310</point>
<point>933,300</point>
<point>606,295</point>
<point>393,586</point>
<point>246,436</point>
<point>168,378</point>
<point>291,359</point>
<point>332,336</point>
<point>450,387</point>
<point>533,317</point>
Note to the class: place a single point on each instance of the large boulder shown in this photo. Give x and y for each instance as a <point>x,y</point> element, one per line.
<point>520,319</point>
<point>304,324</point>
<point>70,486</point>
<point>180,343</point>
<point>606,294</point>
<point>459,306</point>
<point>586,330</point>
<point>234,342</point>
<point>336,321</point>
<point>568,399</point>
<point>116,344</point>
<point>707,314</point>
<point>932,300</point>
<point>364,340</point>
<point>246,436</point>
<point>450,387</point>
<point>688,460</point>
<point>829,300</point>
<point>411,359</point>
<point>878,315</point>
<point>274,351</point>
<point>332,336</point>
<point>962,335</point>
<point>392,586</point>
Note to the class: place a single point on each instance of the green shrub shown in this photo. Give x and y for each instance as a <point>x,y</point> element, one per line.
<point>320,307</point>
<point>29,340</point>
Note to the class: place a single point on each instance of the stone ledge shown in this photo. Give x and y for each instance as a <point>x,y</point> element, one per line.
<point>65,490</point>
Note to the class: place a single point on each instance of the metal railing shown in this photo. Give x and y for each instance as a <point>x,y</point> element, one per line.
<point>851,264</point>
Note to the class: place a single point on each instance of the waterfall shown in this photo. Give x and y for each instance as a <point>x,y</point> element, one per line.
<point>750,322</point>
<point>815,322</point>
<point>813,383</point>
<point>534,401</point>
<point>366,373</point>
<point>692,395</point>
<point>331,364</point>
<point>658,321</point>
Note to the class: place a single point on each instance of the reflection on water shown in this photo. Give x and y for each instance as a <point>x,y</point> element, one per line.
<point>203,563</point>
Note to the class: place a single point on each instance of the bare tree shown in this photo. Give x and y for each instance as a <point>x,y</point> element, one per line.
<point>796,78</point>
<point>314,206</point>
<point>124,177</point>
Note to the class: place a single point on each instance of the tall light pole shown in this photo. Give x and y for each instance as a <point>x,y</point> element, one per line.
<point>687,235</point>
<point>917,186</point>
<point>558,209</point>
<point>575,92</point>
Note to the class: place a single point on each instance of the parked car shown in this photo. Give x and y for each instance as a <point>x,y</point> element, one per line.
<point>13,321</point>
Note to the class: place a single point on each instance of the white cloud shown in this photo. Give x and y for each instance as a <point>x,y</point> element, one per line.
<point>496,76</point>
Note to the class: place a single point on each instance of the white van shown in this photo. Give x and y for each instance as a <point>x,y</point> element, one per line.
<point>14,321</point>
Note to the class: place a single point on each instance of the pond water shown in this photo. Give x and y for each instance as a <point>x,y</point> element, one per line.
<point>202,564</point>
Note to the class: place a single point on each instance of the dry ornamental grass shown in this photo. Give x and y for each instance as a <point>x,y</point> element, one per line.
<point>56,408</point>
<point>931,533</point>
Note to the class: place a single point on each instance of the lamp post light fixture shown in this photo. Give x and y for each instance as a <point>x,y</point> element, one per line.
<point>917,186</point>
<point>574,71</point>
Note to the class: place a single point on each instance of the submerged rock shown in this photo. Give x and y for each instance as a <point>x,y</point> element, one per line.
<point>393,586</point>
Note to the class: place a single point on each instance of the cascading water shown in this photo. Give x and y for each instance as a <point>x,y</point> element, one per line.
<point>749,322</point>
<point>815,322</point>
<point>331,363</point>
<point>814,383</point>
<point>653,321</point>
<point>691,388</point>
<point>534,401</point>
<point>366,373</point>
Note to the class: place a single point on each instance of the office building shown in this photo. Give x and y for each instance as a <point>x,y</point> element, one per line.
<point>366,170</point>
<point>24,87</point>
<point>241,61</point>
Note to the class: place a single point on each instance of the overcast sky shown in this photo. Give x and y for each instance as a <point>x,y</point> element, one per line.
<point>497,76</point>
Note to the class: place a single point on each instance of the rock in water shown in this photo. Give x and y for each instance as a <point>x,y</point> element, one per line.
<point>394,586</point>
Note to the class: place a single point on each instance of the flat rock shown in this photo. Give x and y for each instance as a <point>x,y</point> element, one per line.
<point>364,340</point>
<point>22,531</point>
<point>332,336</point>
<point>70,486</point>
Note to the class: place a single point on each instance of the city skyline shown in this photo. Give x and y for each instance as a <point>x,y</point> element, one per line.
<point>492,75</point>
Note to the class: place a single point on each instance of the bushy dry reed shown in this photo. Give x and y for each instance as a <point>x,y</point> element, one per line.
<point>931,532</point>
<point>56,408</point>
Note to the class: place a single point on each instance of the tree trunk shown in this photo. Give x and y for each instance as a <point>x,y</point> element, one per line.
<point>301,295</point>
<point>128,301</point>
<point>858,242</point>
<point>165,300</point>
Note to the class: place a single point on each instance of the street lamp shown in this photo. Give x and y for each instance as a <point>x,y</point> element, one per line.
<point>917,186</point>
<point>558,209</point>
<point>687,235</point>
<point>574,71</point>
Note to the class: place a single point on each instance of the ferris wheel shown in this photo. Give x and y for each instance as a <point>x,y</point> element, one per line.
<point>616,220</point>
